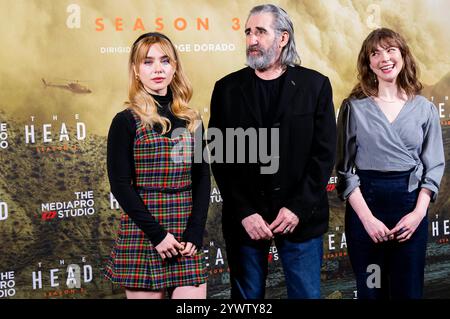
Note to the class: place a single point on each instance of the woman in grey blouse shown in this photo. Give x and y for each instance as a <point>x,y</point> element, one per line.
<point>390,164</point>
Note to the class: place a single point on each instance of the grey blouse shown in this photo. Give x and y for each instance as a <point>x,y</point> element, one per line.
<point>367,141</point>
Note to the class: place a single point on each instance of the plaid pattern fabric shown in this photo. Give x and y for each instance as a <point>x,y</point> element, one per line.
<point>160,163</point>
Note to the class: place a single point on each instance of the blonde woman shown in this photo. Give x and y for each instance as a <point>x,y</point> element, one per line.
<point>164,196</point>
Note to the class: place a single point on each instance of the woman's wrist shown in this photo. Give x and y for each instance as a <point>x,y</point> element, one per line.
<point>365,215</point>
<point>420,212</point>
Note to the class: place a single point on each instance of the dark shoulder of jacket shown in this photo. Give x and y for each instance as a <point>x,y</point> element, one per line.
<point>127,118</point>
<point>309,75</point>
<point>235,77</point>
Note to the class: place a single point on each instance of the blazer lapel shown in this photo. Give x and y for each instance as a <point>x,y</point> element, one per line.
<point>290,88</point>
<point>248,91</point>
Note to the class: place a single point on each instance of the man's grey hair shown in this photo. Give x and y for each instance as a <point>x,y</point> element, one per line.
<point>281,22</point>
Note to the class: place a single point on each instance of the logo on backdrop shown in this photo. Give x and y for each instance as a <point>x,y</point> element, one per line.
<point>63,279</point>
<point>440,229</point>
<point>82,205</point>
<point>74,21</point>
<point>160,24</point>
<point>332,184</point>
<point>54,135</point>
<point>215,195</point>
<point>273,254</point>
<point>441,108</point>
<point>215,263</point>
<point>114,204</point>
<point>7,284</point>
<point>337,243</point>
<point>3,136</point>
<point>3,211</point>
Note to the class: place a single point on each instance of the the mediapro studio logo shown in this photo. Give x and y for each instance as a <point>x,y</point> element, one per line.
<point>7,284</point>
<point>83,205</point>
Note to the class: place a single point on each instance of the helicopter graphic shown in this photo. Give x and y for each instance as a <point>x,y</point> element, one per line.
<point>72,86</point>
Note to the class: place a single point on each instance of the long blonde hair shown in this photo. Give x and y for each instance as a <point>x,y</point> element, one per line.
<point>407,79</point>
<point>142,102</point>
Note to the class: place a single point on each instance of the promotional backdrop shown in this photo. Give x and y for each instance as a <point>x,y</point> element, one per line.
<point>64,76</point>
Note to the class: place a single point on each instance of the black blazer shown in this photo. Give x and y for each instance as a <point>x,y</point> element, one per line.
<point>307,134</point>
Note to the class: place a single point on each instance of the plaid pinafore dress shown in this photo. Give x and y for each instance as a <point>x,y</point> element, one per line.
<point>163,180</point>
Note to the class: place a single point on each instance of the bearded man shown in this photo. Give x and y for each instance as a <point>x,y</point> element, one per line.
<point>288,205</point>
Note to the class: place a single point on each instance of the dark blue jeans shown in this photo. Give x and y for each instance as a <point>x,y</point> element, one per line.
<point>401,264</point>
<point>301,265</point>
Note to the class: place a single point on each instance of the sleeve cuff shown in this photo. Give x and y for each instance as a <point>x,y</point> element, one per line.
<point>434,191</point>
<point>345,188</point>
<point>196,239</point>
<point>303,213</point>
<point>158,238</point>
<point>247,211</point>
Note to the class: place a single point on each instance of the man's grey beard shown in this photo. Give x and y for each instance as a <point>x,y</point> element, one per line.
<point>265,60</point>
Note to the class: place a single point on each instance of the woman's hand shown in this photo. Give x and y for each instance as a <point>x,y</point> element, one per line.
<point>189,249</point>
<point>376,229</point>
<point>406,227</point>
<point>169,247</point>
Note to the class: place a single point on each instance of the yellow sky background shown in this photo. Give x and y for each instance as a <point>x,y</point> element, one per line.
<point>36,43</point>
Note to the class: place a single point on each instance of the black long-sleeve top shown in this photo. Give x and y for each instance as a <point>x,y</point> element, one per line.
<point>121,173</point>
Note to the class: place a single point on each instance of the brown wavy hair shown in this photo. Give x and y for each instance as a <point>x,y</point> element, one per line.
<point>143,103</point>
<point>407,79</point>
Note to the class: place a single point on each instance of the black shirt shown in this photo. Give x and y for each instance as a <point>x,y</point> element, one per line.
<point>267,94</point>
<point>121,173</point>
